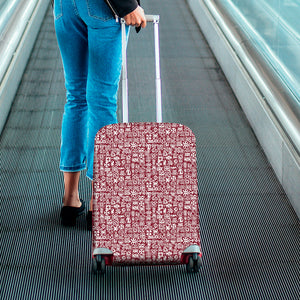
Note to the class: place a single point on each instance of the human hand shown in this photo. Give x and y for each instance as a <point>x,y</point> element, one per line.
<point>136,18</point>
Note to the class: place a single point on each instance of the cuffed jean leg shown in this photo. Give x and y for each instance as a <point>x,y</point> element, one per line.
<point>91,47</point>
<point>105,63</point>
<point>72,39</point>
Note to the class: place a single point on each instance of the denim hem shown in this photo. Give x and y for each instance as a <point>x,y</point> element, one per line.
<point>89,176</point>
<point>73,169</point>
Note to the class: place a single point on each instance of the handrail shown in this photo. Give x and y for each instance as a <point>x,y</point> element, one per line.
<point>20,23</point>
<point>13,32</point>
<point>7,10</point>
<point>280,99</point>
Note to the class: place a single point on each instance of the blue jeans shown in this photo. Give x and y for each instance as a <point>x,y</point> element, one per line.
<point>89,40</point>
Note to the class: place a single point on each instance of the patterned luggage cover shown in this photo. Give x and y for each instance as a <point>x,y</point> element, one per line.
<point>145,192</point>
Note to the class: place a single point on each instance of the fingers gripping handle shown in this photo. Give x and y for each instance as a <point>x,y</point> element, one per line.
<point>155,20</point>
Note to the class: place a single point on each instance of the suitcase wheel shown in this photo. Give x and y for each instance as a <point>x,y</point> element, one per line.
<point>98,264</point>
<point>194,263</point>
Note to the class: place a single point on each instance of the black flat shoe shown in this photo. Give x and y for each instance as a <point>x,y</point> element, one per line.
<point>69,214</point>
<point>89,220</point>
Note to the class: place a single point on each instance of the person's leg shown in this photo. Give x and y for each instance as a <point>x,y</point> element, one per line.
<point>105,62</point>
<point>71,196</point>
<point>104,69</point>
<point>71,35</point>
<point>73,206</point>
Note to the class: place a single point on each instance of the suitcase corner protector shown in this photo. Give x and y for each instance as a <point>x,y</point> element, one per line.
<point>192,249</point>
<point>102,251</point>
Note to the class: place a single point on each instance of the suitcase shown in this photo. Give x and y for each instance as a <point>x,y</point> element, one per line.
<point>145,209</point>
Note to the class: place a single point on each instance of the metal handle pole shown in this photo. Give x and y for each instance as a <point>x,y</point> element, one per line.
<point>157,72</point>
<point>124,74</point>
<point>155,20</point>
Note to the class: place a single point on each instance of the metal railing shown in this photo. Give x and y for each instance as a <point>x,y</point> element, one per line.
<point>279,91</point>
<point>271,106</point>
<point>19,24</point>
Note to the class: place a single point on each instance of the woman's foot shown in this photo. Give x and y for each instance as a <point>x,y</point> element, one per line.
<point>69,214</point>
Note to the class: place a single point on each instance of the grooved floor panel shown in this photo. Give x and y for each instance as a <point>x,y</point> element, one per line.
<point>249,231</point>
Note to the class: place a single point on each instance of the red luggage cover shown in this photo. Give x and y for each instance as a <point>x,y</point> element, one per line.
<point>145,192</point>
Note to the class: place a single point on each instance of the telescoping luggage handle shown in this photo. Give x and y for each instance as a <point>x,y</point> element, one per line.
<point>155,20</point>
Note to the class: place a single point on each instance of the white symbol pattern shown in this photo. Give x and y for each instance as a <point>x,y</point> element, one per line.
<point>145,192</point>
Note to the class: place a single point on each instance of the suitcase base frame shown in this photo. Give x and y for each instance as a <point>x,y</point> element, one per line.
<point>191,257</point>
